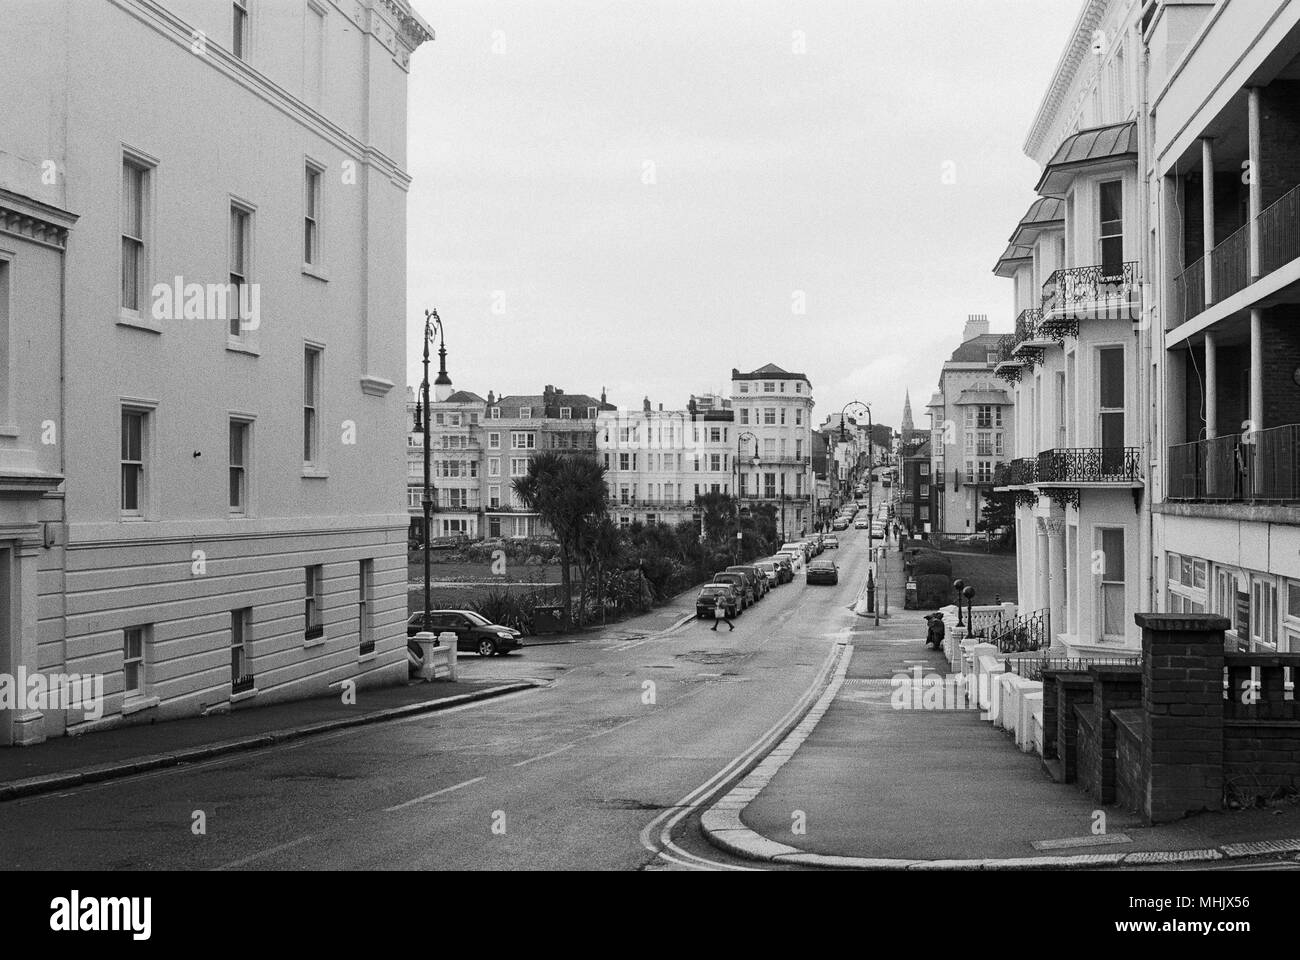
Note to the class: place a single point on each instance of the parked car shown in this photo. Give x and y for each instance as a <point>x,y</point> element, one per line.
<point>784,568</point>
<point>707,601</point>
<point>823,571</point>
<point>832,543</point>
<point>473,631</point>
<point>799,547</point>
<point>770,571</point>
<point>794,557</point>
<point>757,582</point>
<point>862,524</point>
<point>741,583</point>
<point>840,524</point>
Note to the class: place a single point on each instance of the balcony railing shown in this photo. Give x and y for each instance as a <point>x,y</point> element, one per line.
<point>1002,475</point>
<point>1027,325</point>
<point>1189,293</point>
<point>1023,472</point>
<point>1091,292</point>
<point>242,683</point>
<point>1230,264</point>
<point>1089,465</point>
<point>1263,467</point>
<point>1279,233</point>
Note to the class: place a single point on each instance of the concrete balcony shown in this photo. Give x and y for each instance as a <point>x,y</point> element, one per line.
<point>1256,468</point>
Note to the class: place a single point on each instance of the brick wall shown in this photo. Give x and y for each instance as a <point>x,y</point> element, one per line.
<point>1279,138</point>
<point>1087,750</point>
<point>1129,782</point>
<point>1261,758</point>
<point>1281,359</point>
<point>1072,690</point>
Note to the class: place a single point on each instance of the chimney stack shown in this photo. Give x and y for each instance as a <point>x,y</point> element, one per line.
<point>977,324</point>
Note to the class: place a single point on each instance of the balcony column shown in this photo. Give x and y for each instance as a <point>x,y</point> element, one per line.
<point>1207,213</point>
<point>1211,387</point>
<point>1256,181</point>
<point>1043,593</point>
<point>1256,369</point>
<point>1056,574</point>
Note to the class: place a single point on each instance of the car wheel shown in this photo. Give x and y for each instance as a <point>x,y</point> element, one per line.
<point>487,647</point>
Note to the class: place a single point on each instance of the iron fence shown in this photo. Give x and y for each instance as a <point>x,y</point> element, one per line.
<point>1031,668</point>
<point>1029,631</point>
<point>242,683</point>
<point>1090,465</point>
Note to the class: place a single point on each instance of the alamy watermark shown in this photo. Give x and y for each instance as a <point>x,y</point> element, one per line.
<point>46,692</point>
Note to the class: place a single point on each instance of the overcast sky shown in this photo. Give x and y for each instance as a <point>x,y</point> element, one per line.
<point>641,195</point>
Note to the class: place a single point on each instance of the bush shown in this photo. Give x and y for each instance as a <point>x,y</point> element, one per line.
<point>933,590</point>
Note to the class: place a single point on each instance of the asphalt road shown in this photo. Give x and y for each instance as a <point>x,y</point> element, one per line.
<point>587,772</point>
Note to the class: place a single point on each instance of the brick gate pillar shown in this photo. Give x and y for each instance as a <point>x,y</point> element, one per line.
<point>1182,703</point>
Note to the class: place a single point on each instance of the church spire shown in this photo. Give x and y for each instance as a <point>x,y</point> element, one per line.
<point>907,414</point>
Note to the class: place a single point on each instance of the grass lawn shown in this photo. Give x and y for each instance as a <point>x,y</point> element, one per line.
<point>992,574</point>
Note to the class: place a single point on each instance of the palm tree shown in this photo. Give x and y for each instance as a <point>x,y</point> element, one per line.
<point>569,494</point>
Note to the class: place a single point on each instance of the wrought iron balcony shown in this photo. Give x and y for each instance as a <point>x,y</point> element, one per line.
<point>1086,293</point>
<point>1002,475</point>
<point>1027,632</point>
<point>1263,467</point>
<point>1022,472</point>
<point>1067,466</point>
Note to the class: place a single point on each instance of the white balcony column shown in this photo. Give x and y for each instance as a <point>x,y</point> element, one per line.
<point>1256,369</point>
<point>1043,593</point>
<point>1056,574</point>
<point>1207,213</point>
<point>1211,387</point>
<point>1256,182</point>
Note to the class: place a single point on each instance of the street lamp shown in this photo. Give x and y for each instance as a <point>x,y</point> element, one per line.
<point>432,327</point>
<point>969,594</point>
<point>957,586</point>
<point>744,434</point>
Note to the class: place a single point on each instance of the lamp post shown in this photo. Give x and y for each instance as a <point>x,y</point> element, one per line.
<point>969,594</point>
<point>739,440</point>
<point>957,585</point>
<point>871,511</point>
<point>432,327</point>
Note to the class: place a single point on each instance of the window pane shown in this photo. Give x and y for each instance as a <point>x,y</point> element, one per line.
<point>237,444</point>
<point>1112,202</point>
<point>130,274</point>
<point>1112,546</point>
<point>1110,364</point>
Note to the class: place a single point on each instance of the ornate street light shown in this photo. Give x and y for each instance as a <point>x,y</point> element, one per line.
<point>432,327</point>
<point>957,586</point>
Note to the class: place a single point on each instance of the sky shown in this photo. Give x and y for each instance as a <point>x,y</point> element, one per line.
<point>640,196</point>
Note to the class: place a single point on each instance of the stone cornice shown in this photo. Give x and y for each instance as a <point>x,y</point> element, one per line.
<point>412,30</point>
<point>33,220</point>
<point>1066,68</point>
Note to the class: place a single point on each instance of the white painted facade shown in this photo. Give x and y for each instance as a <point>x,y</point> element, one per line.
<point>289,173</point>
<point>774,418</point>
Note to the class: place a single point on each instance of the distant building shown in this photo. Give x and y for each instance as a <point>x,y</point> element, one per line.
<point>774,416</point>
<point>972,425</point>
<point>916,495</point>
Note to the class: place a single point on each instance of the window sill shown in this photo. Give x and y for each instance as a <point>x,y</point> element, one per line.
<point>244,695</point>
<point>137,704</point>
<point>314,473</point>
<point>316,271</point>
<point>367,657</point>
<point>133,318</point>
<point>9,431</point>
<point>318,642</point>
<point>235,345</point>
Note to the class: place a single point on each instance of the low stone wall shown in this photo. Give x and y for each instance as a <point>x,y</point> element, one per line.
<point>1261,757</point>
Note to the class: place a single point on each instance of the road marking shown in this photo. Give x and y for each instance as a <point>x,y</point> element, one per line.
<point>235,864</point>
<point>524,763</point>
<point>601,733</point>
<point>430,796</point>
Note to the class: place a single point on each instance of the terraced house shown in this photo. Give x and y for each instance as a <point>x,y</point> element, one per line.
<point>200,446</point>
<point>1077,261</point>
<point>774,423</point>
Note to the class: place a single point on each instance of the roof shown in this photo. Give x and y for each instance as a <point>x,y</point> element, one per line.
<point>768,371</point>
<point>1095,145</point>
<point>578,403</point>
<point>968,397</point>
<point>464,396</point>
<point>1012,255</point>
<point>920,453</point>
<point>977,349</point>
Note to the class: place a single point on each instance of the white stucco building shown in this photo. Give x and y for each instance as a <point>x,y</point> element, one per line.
<point>231,522</point>
<point>774,420</point>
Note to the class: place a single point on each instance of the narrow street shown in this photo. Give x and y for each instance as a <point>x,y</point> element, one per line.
<point>570,775</point>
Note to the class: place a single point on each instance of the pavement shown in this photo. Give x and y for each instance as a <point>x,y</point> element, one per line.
<point>860,784</point>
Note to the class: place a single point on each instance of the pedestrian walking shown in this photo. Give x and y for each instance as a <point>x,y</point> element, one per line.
<point>720,613</point>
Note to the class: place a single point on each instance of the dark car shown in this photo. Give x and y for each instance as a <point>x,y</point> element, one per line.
<point>707,601</point>
<point>758,580</point>
<point>741,582</point>
<point>473,631</point>
<point>823,571</point>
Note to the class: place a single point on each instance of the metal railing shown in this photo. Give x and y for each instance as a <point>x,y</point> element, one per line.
<point>1189,293</point>
<point>1089,465</point>
<point>1023,472</point>
<point>1029,631</point>
<point>1031,668</point>
<point>1263,466</point>
<point>1002,475</point>
<point>367,646</point>
<point>1230,264</point>
<point>242,683</point>
<point>1094,291</point>
<point>1279,232</point>
<point>1027,325</point>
